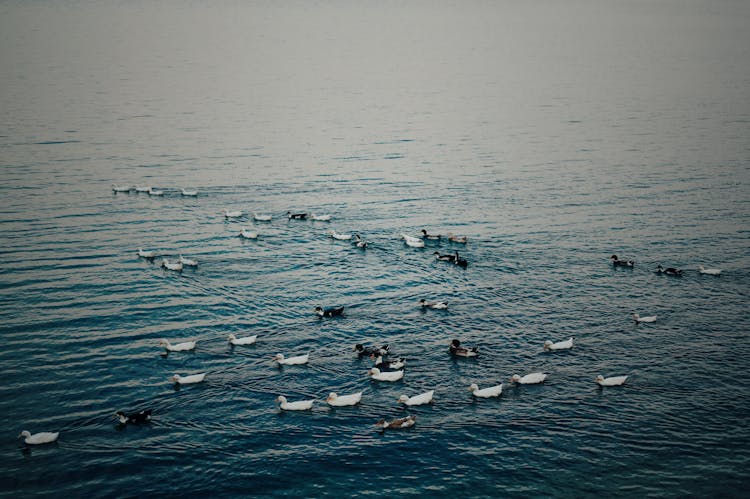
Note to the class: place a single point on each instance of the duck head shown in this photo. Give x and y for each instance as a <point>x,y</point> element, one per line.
<point>473,387</point>
<point>331,397</point>
<point>547,344</point>
<point>319,311</point>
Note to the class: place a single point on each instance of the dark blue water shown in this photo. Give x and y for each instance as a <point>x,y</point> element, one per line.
<point>552,134</point>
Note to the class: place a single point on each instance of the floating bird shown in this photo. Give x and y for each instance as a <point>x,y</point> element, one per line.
<point>247,340</point>
<point>457,239</point>
<point>142,188</point>
<point>300,405</point>
<point>491,391</point>
<point>135,417</point>
<point>529,379</point>
<point>397,424</point>
<point>421,399</point>
<point>621,263</point>
<point>668,271</point>
<point>359,242</point>
<point>155,192</point>
<point>248,234</point>
<point>261,218</point>
<point>560,345</point>
<point>613,381</point>
<point>121,188</point>
<point>708,271</point>
<point>458,350</point>
<point>461,262</point>
<point>187,261</point>
<point>385,376</point>
<point>291,361</point>
<point>329,312</point>
<point>433,237</point>
<point>296,216</point>
<point>320,218</point>
<point>438,305</point>
<point>340,237</point>
<point>44,437</point>
<point>189,192</point>
<point>369,351</point>
<point>393,365</point>
<point>177,266</point>
<point>637,318</point>
<point>148,254</point>
<point>414,242</point>
<point>444,258</point>
<point>343,400</point>
<point>233,213</point>
<point>188,380</point>
<point>179,347</point>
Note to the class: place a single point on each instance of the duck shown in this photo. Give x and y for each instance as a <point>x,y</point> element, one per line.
<point>329,312</point>
<point>621,263</point>
<point>134,417</point>
<point>393,365</point>
<point>296,216</point>
<point>612,381</point>
<point>177,266</point>
<point>637,318</point>
<point>560,345</point>
<point>248,234</point>
<point>188,380</point>
<point>490,391</point>
<point>247,340</point>
<point>187,261</point>
<point>668,271</point>
<point>444,258</point>
<point>148,254</point>
<point>142,188</point>
<point>359,242</point>
<point>397,424</point>
<point>44,437</point>
<point>368,351</point>
<point>414,242</point>
<point>437,305</point>
<point>339,237</point>
<point>233,213</point>
<point>457,239</point>
<point>421,399</point>
<point>300,405</point>
<point>189,192</point>
<point>461,262</point>
<point>432,237</point>
<point>291,361</point>
<point>376,374</point>
<point>529,379</point>
<point>155,192</point>
<point>459,351</point>
<point>179,347</point>
<point>343,400</point>
<point>261,218</point>
<point>121,188</point>
<point>320,218</point>
<point>706,271</point>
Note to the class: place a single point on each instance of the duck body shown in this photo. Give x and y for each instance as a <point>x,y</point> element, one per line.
<point>560,345</point>
<point>179,347</point>
<point>261,218</point>
<point>431,237</point>
<point>457,239</point>
<point>421,399</point>
<point>147,254</point>
<point>621,263</point>
<point>320,218</point>
<point>248,234</point>
<point>176,266</point>
<point>188,380</point>
<point>329,312</point>
<point>44,437</point>
<point>414,242</point>
<point>142,188</point>
<point>121,188</point>
<point>376,374</point>
<point>300,405</point>
<point>637,318</point>
<point>461,351</point>
<point>668,271</point>
<point>359,242</point>
<point>397,424</point>
<point>393,365</point>
<point>296,216</point>
<point>706,271</point>
<point>187,261</point>
<point>370,351</point>
<point>292,361</point>
<point>339,237</point>
<point>444,258</point>
<point>189,192</point>
<point>529,379</point>
<point>233,213</point>
<point>611,381</point>
<point>155,192</point>
<point>438,305</point>
<point>490,391</point>
<point>336,400</point>
<point>134,417</point>
<point>247,340</point>
<point>461,262</point>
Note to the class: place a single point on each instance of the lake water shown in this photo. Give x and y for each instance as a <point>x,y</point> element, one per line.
<point>552,134</point>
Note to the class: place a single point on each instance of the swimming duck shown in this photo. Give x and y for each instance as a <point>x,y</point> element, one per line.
<point>433,237</point>
<point>560,345</point>
<point>457,239</point>
<point>177,266</point>
<point>668,271</point>
<point>187,380</point>
<point>248,234</point>
<point>340,237</point>
<point>121,188</point>
<point>135,417</point>
<point>343,400</point>
<point>708,271</point>
<point>529,379</point>
<point>300,405</point>
<point>385,376</point>
<point>458,350</point>
<point>421,399</point>
<point>247,340</point>
<point>291,361</point>
<point>261,218</point>
<point>414,242</point>
<point>613,381</point>
<point>491,391</point>
<point>296,216</point>
<point>155,192</point>
<point>393,365</point>
<point>461,262</point>
<point>369,351</point>
<point>44,437</point>
<point>233,213</point>
<point>142,188</point>
<point>189,192</point>
<point>444,258</point>
<point>179,347</point>
<point>187,261</point>
<point>637,318</point>
<point>359,242</point>
<point>320,218</point>
<point>438,305</point>
<point>148,254</point>
<point>621,263</point>
<point>397,424</point>
<point>329,312</point>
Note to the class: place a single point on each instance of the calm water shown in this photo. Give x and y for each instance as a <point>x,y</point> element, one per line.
<point>552,134</point>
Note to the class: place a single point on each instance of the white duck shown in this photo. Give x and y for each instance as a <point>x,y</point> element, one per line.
<point>706,271</point>
<point>146,253</point>
<point>529,379</point>
<point>248,234</point>
<point>187,380</point>
<point>414,242</point>
<point>385,376</point>
<point>291,361</point>
<point>189,192</point>
<point>44,437</point>
<point>560,345</point>
<point>637,318</point>
<point>142,188</point>
<point>233,213</point>
<point>179,347</point>
<point>261,218</point>
<point>421,399</point>
<point>336,400</point>
<point>121,188</point>
<point>187,261</point>
<point>612,381</point>
<point>155,192</point>
<point>247,340</point>
<point>320,218</point>
<point>340,237</point>
<point>177,266</point>
<point>300,405</point>
<point>491,391</point>
<point>438,305</point>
